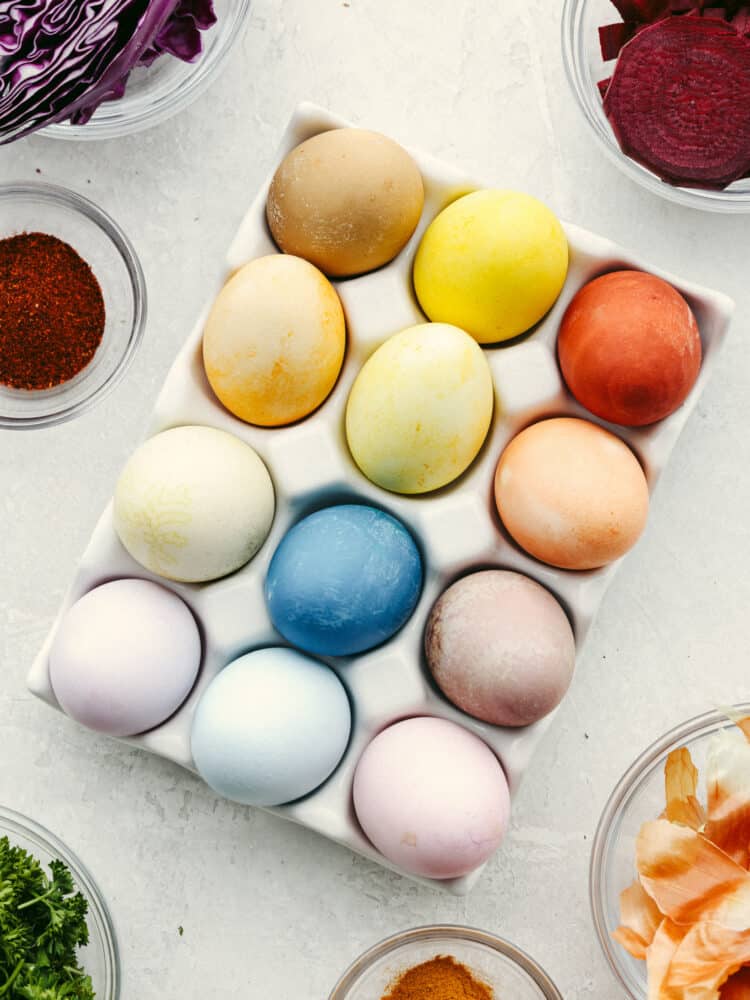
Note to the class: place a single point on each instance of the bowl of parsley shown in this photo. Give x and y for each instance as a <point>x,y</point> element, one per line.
<point>57,941</point>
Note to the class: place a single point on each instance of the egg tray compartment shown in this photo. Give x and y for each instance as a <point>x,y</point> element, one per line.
<point>457,527</point>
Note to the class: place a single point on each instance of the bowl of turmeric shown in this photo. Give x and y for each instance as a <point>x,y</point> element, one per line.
<point>443,962</point>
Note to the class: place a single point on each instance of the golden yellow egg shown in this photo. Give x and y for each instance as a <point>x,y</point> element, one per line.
<point>420,409</point>
<point>274,341</point>
<point>493,263</point>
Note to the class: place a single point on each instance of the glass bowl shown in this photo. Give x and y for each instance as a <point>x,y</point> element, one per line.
<point>36,207</point>
<point>581,20</point>
<point>637,798</point>
<point>505,968</point>
<point>100,957</point>
<point>168,86</point>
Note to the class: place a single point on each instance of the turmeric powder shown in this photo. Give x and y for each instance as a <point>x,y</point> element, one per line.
<point>442,978</point>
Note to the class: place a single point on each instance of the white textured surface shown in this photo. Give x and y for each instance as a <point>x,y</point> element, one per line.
<point>268,908</point>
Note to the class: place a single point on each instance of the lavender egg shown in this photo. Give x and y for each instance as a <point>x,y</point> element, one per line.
<point>125,657</point>
<point>500,648</point>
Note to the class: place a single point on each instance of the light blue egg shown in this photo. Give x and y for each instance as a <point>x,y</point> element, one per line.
<point>343,580</point>
<point>271,727</point>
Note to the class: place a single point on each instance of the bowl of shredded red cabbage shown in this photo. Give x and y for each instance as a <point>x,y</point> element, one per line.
<point>107,67</point>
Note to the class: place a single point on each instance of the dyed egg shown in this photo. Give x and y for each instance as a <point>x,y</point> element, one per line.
<point>274,341</point>
<point>572,494</point>
<point>493,263</point>
<point>270,728</point>
<point>343,580</point>
<point>420,409</point>
<point>347,200</point>
<point>125,657</point>
<point>431,797</point>
<point>629,348</point>
<point>500,647</point>
<point>193,504</point>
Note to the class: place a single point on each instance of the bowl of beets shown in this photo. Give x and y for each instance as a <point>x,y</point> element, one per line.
<point>665,85</point>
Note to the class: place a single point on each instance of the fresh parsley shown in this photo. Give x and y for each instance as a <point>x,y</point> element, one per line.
<point>42,923</point>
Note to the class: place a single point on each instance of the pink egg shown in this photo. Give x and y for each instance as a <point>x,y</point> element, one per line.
<point>125,657</point>
<point>431,797</point>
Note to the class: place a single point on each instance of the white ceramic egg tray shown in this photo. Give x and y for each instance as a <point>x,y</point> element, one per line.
<point>457,527</point>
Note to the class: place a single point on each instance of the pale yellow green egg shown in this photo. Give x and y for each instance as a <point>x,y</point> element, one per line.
<point>420,409</point>
<point>493,263</point>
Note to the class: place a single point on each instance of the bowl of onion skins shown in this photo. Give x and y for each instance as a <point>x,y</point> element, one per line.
<point>640,798</point>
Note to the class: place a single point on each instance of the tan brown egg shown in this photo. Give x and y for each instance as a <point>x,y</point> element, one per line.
<point>347,200</point>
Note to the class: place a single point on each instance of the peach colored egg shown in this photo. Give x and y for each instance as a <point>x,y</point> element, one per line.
<point>431,797</point>
<point>629,348</point>
<point>500,647</point>
<point>571,494</point>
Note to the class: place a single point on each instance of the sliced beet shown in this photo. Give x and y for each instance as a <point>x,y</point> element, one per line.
<point>612,37</point>
<point>642,11</point>
<point>741,21</point>
<point>679,101</point>
<point>603,86</point>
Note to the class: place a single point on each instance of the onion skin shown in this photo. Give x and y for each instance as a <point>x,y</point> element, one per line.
<point>629,348</point>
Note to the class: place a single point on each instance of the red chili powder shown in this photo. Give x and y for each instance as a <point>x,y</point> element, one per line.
<point>51,312</point>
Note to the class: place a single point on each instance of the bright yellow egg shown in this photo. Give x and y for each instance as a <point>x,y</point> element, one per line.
<point>274,341</point>
<point>493,263</point>
<point>420,409</point>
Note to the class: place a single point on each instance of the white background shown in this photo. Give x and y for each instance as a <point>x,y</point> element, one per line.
<point>270,910</point>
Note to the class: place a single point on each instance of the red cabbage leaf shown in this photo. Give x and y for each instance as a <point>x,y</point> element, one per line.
<point>60,59</point>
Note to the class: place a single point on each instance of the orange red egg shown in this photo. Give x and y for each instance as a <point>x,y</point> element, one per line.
<point>629,348</point>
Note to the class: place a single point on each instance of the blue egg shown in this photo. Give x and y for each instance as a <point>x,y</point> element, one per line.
<point>343,580</point>
<point>271,727</point>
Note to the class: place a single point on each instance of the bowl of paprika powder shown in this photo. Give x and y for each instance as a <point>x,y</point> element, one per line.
<point>442,962</point>
<point>73,304</point>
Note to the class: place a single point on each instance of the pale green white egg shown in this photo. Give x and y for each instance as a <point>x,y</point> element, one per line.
<point>193,504</point>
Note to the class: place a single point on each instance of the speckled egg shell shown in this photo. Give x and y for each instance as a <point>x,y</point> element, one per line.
<point>193,504</point>
<point>347,200</point>
<point>571,494</point>
<point>500,648</point>
<point>274,341</point>
<point>271,727</point>
<point>343,580</point>
<point>420,409</point>
<point>431,797</point>
<point>125,657</point>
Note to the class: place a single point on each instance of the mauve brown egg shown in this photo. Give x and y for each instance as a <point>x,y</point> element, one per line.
<point>347,200</point>
<point>500,648</point>
<point>629,348</point>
